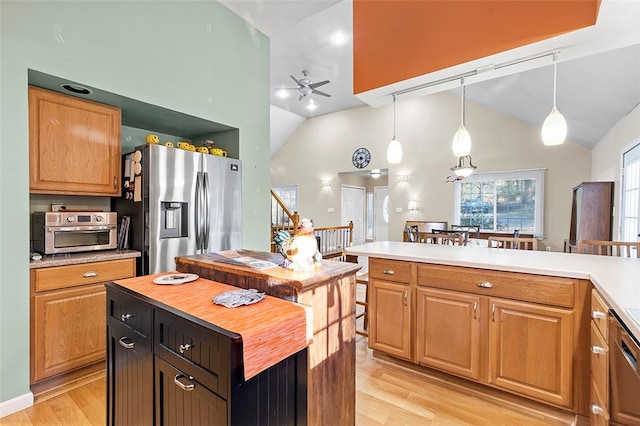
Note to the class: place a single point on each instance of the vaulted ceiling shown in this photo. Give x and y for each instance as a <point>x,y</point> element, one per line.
<point>598,65</point>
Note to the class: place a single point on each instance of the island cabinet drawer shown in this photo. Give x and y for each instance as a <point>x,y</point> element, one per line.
<point>196,351</point>
<point>130,311</point>
<point>58,277</point>
<point>600,313</point>
<point>126,339</point>
<point>390,270</point>
<point>542,289</point>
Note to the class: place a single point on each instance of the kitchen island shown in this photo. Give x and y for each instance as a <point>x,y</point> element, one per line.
<point>518,321</point>
<point>175,357</point>
<point>329,290</point>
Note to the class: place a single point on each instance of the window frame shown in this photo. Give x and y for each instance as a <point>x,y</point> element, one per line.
<point>537,174</point>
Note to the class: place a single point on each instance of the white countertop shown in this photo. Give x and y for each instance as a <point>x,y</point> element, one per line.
<point>617,279</point>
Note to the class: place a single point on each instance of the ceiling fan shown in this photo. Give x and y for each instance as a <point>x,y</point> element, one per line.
<point>306,87</point>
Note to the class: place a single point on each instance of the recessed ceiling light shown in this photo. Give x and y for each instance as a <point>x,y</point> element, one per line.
<point>339,38</point>
<point>282,94</point>
<point>76,88</point>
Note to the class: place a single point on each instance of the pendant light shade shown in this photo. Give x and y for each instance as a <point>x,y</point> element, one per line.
<point>554,128</point>
<point>461,144</point>
<point>394,151</point>
<point>464,167</point>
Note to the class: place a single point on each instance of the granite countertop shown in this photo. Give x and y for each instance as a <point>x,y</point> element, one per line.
<point>615,278</point>
<point>48,261</point>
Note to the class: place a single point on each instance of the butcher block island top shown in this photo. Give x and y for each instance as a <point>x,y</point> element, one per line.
<point>329,290</point>
<point>271,330</point>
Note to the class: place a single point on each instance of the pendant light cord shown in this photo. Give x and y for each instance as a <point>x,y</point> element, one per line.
<point>394,117</point>
<point>462,103</point>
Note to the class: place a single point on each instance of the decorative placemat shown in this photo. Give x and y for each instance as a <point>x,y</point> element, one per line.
<point>235,298</point>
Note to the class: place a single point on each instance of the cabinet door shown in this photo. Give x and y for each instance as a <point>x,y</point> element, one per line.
<point>74,145</point>
<point>182,400</point>
<point>448,331</point>
<point>129,375</point>
<point>68,330</point>
<point>390,318</point>
<point>530,350</point>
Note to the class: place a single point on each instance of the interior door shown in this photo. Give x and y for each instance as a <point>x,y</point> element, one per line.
<point>380,213</point>
<point>353,209</point>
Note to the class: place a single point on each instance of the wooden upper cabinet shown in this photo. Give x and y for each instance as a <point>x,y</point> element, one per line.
<point>74,145</point>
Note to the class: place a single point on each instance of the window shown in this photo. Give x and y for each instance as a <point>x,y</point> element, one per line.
<point>502,201</point>
<point>630,222</point>
<point>289,196</point>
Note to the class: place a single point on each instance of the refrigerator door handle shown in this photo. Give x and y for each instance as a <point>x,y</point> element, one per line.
<point>206,207</point>
<point>198,212</point>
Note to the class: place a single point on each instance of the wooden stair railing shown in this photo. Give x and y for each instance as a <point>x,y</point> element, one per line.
<point>334,240</point>
<point>281,219</point>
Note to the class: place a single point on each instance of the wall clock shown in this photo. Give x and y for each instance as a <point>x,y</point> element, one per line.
<point>361,158</point>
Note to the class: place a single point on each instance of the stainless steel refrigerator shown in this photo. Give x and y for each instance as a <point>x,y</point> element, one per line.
<point>179,203</point>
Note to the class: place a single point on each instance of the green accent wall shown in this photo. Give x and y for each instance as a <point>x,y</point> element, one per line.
<point>194,57</point>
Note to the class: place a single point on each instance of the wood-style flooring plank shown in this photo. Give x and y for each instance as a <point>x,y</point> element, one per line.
<point>387,394</point>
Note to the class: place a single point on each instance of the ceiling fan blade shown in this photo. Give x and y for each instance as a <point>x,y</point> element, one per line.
<point>318,84</point>
<point>297,81</point>
<point>317,92</point>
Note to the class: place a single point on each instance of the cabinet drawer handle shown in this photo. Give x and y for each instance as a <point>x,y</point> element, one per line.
<point>596,409</point>
<point>184,348</point>
<point>125,317</point>
<point>598,315</point>
<point>181,385</point>
<point>90,274</point>
<point>388,272</point>
<point>598,350</point>
<point>127,343</point>
<point>485,284</point>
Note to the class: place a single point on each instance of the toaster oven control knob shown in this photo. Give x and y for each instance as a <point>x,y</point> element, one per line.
<point>99,218</point>
<point>69,218</point>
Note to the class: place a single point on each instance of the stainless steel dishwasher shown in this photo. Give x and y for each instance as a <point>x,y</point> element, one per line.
<point>625,374</point>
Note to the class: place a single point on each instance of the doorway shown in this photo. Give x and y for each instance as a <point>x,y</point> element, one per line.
<point>380,213</point>
<point>352,208</point>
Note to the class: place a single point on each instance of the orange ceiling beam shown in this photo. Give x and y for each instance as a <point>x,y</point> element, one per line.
<point>397,40</point>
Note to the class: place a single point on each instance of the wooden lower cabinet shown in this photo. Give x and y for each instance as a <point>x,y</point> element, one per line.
<point>70,330</point>
<point>448,331</point>
<point>68,320</point>
<point>521,333</point>
<point>390,328</point>
<point>530,350</point>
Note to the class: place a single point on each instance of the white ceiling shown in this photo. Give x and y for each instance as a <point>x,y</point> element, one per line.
<point>594,90</point>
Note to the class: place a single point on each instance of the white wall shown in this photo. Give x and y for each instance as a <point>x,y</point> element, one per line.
<point>605,161</point>
<point>322,148</point>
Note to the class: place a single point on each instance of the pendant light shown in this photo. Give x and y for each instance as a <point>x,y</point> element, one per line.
<point>464,167</point>
<point>554,128</point>
<point>394,151</point>
<point>461,145</point>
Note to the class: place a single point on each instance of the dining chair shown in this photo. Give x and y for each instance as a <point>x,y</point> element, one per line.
<point>412,233</point>
<point>609,248</point>
<point>472,230</point>
<point>463,233</point>
<point>515,243</point>
<point>453,239</point>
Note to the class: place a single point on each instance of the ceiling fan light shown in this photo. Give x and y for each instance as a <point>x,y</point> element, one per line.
<point>394,152</point>
<point>554,128</point>
<point>461,145</point>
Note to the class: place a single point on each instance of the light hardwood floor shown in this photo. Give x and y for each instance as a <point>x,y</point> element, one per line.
<point>386,394</point>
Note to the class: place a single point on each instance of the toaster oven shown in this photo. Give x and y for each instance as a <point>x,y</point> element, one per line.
<point>72,232</point>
